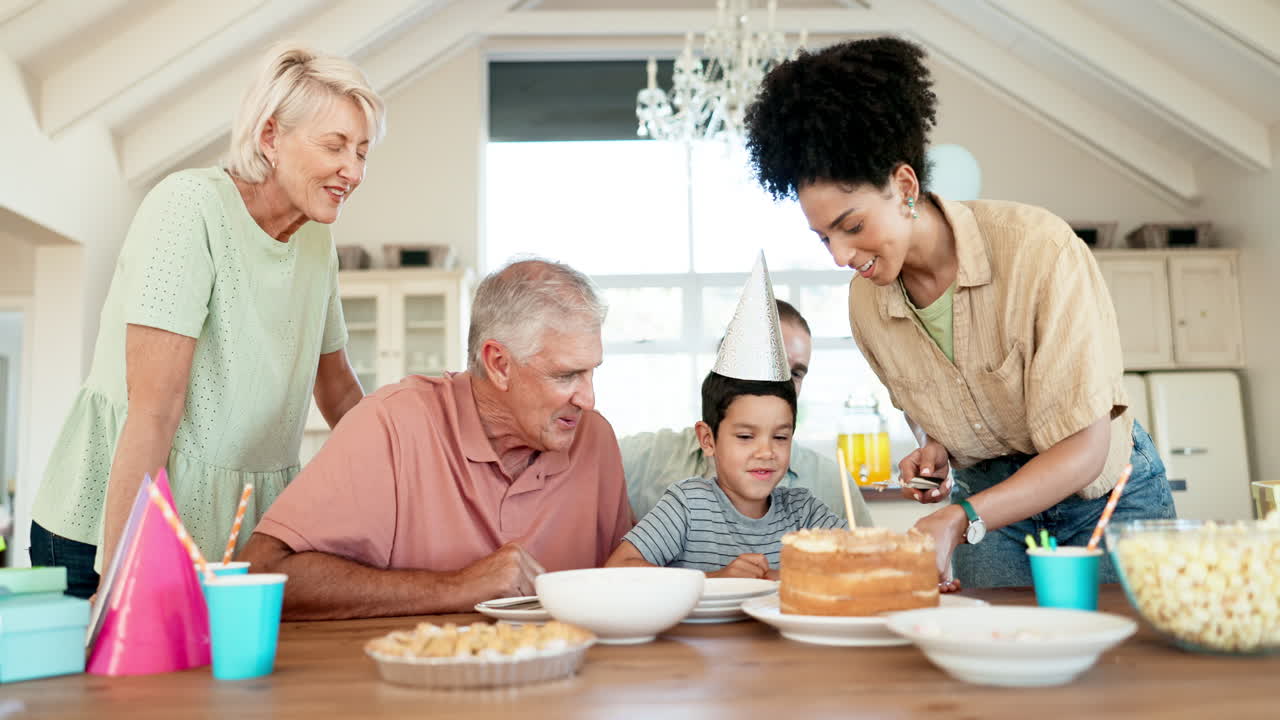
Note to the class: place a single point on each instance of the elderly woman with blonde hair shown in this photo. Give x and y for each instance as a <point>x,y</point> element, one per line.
<point>222,319</point>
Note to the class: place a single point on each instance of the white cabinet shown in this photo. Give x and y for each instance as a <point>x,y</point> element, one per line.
<point>400,322</point>
<point>1175,308</point>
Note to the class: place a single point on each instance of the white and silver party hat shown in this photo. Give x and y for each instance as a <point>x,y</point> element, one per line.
<point>752,348</point>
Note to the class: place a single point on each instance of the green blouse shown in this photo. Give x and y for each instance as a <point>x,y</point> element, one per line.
<point>262,311</point>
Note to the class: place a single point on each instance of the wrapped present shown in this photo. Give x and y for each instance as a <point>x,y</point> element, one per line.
<point>41,634</point>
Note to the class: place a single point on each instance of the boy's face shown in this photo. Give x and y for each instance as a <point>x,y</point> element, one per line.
<point>752,449</point>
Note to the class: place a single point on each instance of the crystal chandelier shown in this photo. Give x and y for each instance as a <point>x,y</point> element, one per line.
<point>710,94</point>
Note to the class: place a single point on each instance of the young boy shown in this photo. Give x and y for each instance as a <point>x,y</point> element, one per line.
<point>732,525</point>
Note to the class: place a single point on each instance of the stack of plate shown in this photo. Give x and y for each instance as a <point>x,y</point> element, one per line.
<point>722,599</point>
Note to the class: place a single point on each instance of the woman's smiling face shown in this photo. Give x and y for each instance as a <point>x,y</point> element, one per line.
<point>865,228</point>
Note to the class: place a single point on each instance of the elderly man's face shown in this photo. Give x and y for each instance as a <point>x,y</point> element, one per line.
<point>799,348</point>
<point>551,391</point>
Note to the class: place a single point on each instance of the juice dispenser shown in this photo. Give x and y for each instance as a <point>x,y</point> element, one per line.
<point>863,439</point>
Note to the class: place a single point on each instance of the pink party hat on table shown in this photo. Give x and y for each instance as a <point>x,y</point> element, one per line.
<point>150,615</point>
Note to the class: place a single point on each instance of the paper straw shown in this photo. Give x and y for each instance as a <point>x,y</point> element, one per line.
<point>1110,508</point>
<point>844,485</point>
<point>180,531</point>
<point>235,526</point>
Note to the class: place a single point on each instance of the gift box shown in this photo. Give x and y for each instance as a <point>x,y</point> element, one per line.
<point>41,635</point>
<point>47,581</point>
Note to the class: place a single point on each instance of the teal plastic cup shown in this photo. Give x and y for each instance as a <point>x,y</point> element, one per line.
<point>1066,577</point>
<point>244,623</point>
<point>238,567</point>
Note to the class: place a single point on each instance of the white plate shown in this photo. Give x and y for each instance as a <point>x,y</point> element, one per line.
<point>869,631</point>
<point>716,615</point>
<point>717,589</point>
<point>495,610</point>
<point>1012,646</point>
<point>735,602</point>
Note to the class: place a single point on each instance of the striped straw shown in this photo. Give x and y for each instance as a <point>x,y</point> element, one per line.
<point>844,485</point>
<point>167,511</point>
<point>1110,508</point>
<point>235,526</point>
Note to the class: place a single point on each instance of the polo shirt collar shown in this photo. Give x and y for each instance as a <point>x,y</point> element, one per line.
<point>971,252</point>
<point>476,445</point>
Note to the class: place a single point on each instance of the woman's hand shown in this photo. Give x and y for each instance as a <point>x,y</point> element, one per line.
<point>946,527</point>
<point>927,461</point>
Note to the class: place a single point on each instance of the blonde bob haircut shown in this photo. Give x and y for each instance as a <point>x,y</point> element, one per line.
<point>294,84</point>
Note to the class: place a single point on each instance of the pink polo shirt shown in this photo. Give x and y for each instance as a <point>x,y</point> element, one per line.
<point>408,480</point>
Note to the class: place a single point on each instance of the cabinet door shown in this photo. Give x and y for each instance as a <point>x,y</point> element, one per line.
<point>424,328</point>
<point>1206,311</point>
<point>1140,292</point>
<point>366,309</point>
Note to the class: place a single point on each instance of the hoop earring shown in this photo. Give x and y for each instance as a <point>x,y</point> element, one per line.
<point>273,163</point>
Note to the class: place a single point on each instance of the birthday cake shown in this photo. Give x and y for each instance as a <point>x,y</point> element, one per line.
<point>857,572</point>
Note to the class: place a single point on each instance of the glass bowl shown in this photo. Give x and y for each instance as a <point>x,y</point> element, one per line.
<point>1208,587</point>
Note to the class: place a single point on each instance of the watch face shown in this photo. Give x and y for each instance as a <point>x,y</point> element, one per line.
<point>977,530</point>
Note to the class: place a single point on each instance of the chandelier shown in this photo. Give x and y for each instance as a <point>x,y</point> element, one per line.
<point>710,93</point>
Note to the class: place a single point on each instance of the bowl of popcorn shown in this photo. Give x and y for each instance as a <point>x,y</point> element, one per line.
<point>1209,587</point>
<point>479,655</point>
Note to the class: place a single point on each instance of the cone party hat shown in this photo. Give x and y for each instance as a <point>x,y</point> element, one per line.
<point>153,616</point>
<point>752,348</point>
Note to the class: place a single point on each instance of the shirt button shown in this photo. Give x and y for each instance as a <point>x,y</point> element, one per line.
<point>959,381</point>
<point>977,426</point>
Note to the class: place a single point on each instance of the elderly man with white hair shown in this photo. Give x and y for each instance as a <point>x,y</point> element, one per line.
<point>434,494</point>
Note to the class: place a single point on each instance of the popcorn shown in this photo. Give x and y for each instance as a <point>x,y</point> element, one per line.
<point>1217,586</point>
<point>480,640</point>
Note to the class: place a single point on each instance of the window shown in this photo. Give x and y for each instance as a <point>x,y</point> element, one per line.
<point>670,234</point>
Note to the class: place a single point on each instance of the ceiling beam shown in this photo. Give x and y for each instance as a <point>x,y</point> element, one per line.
<point>169,132</point>
<point>1076,117</point>
<point>451,29</point>
<point>1184,102</point>
<point>677,22</point>
<point>126,58</point>
<point>248,33</point>
<point>35,28</point>
<point>1253,23</point>
<point>10,9</point>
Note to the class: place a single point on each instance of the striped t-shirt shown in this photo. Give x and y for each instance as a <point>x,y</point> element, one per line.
<point>694,525</point>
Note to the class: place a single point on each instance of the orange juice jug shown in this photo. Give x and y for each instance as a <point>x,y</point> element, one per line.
<point>863,440</point>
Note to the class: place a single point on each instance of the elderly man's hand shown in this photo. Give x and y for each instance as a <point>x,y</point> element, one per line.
<point>508,572</point>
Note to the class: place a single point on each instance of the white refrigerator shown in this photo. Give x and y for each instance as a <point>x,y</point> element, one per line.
<point>1197,422</point>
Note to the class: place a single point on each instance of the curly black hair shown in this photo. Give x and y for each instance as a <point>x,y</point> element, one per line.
<point>850,113</point>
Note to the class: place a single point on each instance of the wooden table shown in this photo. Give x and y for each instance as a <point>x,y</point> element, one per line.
<point>738,670</point>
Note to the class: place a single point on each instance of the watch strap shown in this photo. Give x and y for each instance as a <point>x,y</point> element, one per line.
<point>969,511</point>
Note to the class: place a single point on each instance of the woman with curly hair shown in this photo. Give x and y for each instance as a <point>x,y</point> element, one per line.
<point>988,321</point>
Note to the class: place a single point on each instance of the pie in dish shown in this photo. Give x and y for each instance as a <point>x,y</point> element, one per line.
<point>480,640</point>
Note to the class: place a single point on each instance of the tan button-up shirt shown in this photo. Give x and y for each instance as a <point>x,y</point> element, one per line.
<point>1037,348</point>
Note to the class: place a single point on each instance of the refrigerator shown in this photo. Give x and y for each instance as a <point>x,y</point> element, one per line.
<point>1197,422</point>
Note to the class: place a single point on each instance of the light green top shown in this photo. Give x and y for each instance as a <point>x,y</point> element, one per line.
<point>653,461</point>
<point>196,263</point>
<point>936,319</point>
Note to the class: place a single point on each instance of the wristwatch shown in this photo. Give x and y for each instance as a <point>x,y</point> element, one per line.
<point>977,529</point>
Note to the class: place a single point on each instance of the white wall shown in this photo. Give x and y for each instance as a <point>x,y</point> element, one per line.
<point>423,183</point>
<point>18,266</point>
<point>11,350</point>
<point>1245,210</point>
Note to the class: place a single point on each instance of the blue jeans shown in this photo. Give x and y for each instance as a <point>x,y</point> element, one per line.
<point>51,550</point>
<point>1000,560</point>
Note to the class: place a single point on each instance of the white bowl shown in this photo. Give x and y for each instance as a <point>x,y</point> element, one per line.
<point>623,605</point>
<point>1012,646</point>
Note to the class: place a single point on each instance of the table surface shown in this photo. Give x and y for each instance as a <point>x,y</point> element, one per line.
<point>736,670</point>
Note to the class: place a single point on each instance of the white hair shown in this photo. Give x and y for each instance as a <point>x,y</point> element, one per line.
<point>516,304</point>
<point>293,84</point>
